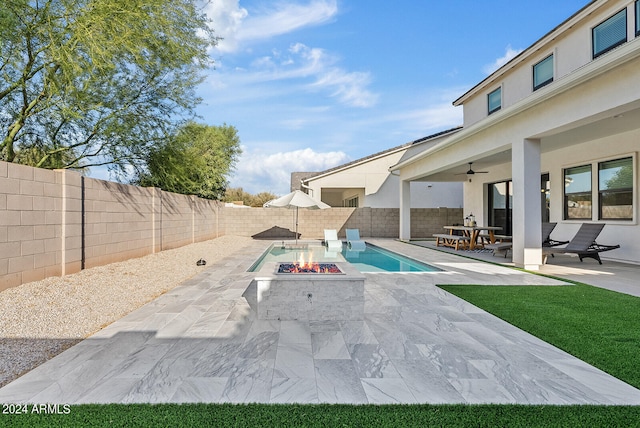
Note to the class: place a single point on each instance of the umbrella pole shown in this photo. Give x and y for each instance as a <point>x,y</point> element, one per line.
<point>296,232</point>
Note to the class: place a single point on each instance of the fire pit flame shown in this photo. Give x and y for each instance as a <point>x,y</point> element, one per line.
<point>303,267</point>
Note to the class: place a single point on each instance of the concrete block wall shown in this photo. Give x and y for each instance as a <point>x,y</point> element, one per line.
<point>56,223</point>
<point>279,223</point>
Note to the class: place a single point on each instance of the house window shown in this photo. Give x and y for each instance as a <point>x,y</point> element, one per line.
<point>351,202</point>
<point>494,100</point>
<point>543,73</point>
<point>610,33</point>
<point>637,18</point>
<point>577,193</point>
<point>615,189</point>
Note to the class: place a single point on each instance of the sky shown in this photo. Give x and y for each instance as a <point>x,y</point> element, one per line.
<point>312,84</point>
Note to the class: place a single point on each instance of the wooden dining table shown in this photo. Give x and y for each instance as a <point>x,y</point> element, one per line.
<point>473,233</point>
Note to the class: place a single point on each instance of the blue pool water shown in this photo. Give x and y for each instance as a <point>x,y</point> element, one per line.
<point>372,259</point>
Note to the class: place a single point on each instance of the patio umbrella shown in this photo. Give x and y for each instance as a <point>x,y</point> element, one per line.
<point>296,199</point>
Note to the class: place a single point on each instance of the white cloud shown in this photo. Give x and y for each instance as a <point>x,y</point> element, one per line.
<point>306,69</point>
<point>258,172</point>
<point>238,27</point>
<point>510,53</point>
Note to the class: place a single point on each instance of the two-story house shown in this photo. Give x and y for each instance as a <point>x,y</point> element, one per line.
<point>367,182</point>
<point>556,133</point>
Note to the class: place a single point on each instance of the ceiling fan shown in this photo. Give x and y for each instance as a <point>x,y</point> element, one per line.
<point>471,171</point>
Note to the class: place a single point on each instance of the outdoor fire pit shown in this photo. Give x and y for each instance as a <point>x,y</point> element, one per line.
<point>309,268</point>
<point>310,291</point>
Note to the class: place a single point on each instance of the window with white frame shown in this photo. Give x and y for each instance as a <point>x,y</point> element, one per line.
<point>543,73</point>
<point>615,189</point>
<point>637,9</point>
<point>351,202</point>
<point>610,33</point>
<point>577,193</point>
<point>494,100</point>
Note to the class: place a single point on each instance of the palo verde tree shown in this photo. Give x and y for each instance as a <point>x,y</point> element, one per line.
<point>97,82</point>
<point>195,161</point>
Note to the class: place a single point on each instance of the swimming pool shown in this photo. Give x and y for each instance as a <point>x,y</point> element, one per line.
<point>372,259</point>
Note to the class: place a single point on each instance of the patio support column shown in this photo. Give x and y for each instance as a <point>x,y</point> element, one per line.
<point>527,219</point>
<point>405,210</point>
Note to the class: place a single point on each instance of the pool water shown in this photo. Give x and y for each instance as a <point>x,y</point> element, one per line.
<point>372,259</point>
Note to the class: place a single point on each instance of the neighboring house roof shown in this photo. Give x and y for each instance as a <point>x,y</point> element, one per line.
<point>315,175</point>
<point>531,50</point>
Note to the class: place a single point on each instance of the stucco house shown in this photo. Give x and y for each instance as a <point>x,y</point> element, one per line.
<point>556,131</point>
<point>367,182</point>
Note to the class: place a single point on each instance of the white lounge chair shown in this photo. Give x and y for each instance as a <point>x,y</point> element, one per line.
<point>353,240</point>
<point>331,240</point>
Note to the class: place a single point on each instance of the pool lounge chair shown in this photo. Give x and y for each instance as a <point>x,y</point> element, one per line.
<point>583,244</point>
<point>547,241</point>
<point>331,240</point>
<point>353,240</point>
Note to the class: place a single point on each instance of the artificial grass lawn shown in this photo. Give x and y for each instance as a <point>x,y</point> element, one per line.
<point>325,415</point>
<point>598,326</point>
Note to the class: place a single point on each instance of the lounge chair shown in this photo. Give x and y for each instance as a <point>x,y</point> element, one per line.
<point>547,240</point>
<point>353,240</point>
<point>583,244</point>
<point>331,240</point>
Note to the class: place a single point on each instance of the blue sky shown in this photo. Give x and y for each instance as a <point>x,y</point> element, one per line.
<point>311,84</point>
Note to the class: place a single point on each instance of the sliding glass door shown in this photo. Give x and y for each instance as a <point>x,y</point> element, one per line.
<point>501,203</point>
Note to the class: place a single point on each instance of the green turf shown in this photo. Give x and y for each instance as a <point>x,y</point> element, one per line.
<point>325,415</point>
<point>598,326</point>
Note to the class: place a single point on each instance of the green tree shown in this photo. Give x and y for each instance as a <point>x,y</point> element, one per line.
<point>195,161</point>
<point>234,194</point>
<point>96,82</point>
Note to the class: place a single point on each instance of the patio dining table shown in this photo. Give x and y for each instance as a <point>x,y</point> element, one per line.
<point>473,233</point>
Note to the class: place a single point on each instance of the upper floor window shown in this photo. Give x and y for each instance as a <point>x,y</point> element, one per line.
<point>543,73</point>
<point>494,100</point>
<point>610,33</point>
<point>615,189</point>
<point>637,18</point>
<point>577,192</point>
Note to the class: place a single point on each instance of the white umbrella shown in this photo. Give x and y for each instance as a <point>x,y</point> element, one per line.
<point>296,199</point>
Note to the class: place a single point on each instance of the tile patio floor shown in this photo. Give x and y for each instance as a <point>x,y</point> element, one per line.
<point>201,342</point>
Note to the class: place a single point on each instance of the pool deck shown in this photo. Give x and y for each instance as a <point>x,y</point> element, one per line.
<point>202,342</point>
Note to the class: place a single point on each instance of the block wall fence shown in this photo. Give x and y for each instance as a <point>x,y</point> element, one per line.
<point>57,222</point>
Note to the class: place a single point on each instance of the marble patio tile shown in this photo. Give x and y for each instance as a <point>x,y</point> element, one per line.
<point>217,360</point>
<point>76,383</point>
<point>186,348</point>
<point>249,382</point>
<point>241,312</point>
<point>613,389</point>
<point>23,389</point>
<point>120,326</point>
<point>200,390</point>
<point>482,333</point>
<point>387,391</point>
<point>329,345</point>
<point>370,361</point>
<point>157,321</point>
<point>233,331</point>
<point>263,345</point>
<point>295,332</point>
<point>338,382</point>
<point>294,360</point>
<point>159,385</point>
<point>318,326</point>
<point>451,363</point>
<point>137,364</point>
<point>261,326</point>
<point>357,332</point>
<point>294,390</point>
<point>427,384</point>
<point>207,325</point>
<point>110,391</point>
<point>222,305</point>
<point>481,391</point>
<point>181,323</point>
<point>123,344</point>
